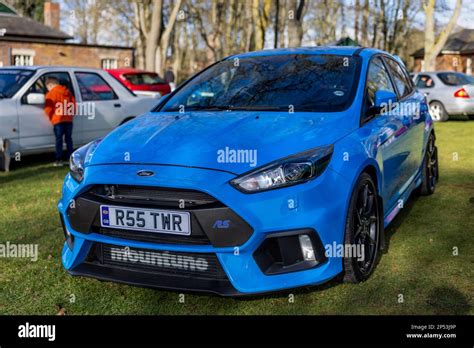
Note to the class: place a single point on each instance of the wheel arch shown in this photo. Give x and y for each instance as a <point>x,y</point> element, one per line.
<point>373,170</point>
<point>371,167</point>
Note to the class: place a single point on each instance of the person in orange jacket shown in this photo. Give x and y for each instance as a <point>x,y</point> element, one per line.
<point>60,106</point>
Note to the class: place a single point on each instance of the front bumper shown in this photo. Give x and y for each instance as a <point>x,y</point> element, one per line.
<point>313,206</point>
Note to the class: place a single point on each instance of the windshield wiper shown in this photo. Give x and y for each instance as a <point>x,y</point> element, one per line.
<point>259,108</point>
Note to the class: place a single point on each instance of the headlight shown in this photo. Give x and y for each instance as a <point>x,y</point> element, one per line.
<point>80,158</point>
<point>288,171</point>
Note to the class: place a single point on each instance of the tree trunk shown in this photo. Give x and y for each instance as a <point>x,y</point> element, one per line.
<point>364,41</point>
<point>276,28</point>
<point>165,38</point>
<point>356,20</point>
<point>283,21</point>
<point>153,36</point>
<point>432,46</point>
<point>295,22</point>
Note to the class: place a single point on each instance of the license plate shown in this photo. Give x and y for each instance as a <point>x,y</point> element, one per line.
<point>150,220</point>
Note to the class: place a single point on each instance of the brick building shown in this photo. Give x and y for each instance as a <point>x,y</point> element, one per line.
<point>457,54</point>
<point>24,41</point>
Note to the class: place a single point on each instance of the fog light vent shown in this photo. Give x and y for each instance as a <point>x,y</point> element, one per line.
<point>291,251</point>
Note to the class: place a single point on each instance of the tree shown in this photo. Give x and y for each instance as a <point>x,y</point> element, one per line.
<point>165,39</point>
<point>153,34</point>
<point>295,21</point>
<point>434,46</point>
<point>87,20</point>
<point>29,8</point>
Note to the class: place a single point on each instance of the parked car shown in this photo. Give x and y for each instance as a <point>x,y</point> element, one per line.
<point>249,179</point>
<point>142,82</point>
<point>24,127</point>
<point>448,93</point>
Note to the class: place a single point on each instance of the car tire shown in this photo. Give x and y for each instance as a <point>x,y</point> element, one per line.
<point>364,226</point>
<point>438,112</point>
<point>430,168</point>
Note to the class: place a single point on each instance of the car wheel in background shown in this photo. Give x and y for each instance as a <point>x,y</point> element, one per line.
<point>363,230</point>
<point>438,112</point>
<point>430,168</point>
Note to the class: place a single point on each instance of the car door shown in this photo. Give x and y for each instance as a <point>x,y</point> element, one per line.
<point>385,131</point>
<point>426,85</point>
<point>35,130</point>
<point>100,105</point>
<point>411,116</point>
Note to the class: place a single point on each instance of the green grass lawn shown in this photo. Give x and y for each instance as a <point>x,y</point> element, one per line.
<point>419,263</point>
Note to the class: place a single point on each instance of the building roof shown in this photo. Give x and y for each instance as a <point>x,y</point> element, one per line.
<point>461,41</point>
<point>23,27</point>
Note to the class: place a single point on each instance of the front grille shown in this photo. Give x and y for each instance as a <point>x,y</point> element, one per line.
<point>156,196</point>
<point>159,238</point>
<point>205,212</point>
<point>201,265</point>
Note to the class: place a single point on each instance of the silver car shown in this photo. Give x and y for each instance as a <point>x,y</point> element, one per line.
<point>102,104</point>
<point>448,93</point>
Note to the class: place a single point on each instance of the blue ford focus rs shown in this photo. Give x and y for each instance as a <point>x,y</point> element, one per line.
<point>266,171</point>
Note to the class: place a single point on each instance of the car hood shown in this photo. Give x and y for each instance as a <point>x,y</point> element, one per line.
<point>234,141</point>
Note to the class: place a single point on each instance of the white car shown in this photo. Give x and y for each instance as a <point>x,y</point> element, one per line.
<point>102,104</point>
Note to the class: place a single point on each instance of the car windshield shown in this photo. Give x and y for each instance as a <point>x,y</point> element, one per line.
<point>454,79</point>
<point>144,79</point>
<point>297,82</point>
<point>11,80</point>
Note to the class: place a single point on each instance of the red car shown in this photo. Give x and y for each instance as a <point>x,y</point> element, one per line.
<point>141,82</point>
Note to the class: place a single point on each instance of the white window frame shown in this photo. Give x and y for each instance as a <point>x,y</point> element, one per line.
<point>23,60</point>
<point>23,57</point>
<point>109,63</point>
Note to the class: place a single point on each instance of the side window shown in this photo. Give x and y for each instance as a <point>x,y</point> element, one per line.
<point>40,84</point>
<point>377,79</point>
<point>424,81</point>
<point>400,78</point>
<point>93,87</point>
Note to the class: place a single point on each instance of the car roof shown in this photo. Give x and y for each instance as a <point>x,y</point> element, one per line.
<point>129,71</point>
<point>316,50</point>
<point>48,67</point>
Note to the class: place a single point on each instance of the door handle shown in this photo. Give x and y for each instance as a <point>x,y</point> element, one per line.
<point>118,105</point>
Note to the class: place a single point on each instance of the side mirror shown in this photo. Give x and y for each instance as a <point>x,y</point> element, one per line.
<point>383,100</point>
<point>35,99</point>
